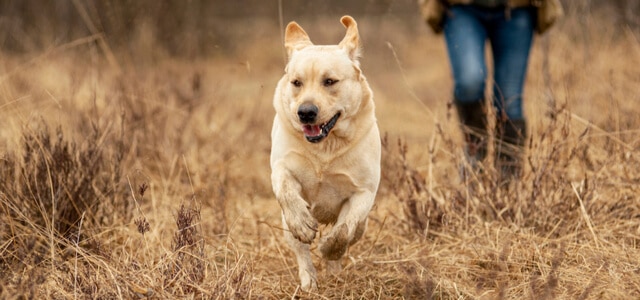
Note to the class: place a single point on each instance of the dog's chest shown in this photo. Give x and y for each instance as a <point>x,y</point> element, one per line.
<point>326,192</point>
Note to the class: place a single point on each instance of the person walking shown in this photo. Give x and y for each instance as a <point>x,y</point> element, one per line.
<point>509,27</point>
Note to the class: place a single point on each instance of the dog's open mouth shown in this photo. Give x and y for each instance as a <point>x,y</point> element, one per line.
<point>316,133</point>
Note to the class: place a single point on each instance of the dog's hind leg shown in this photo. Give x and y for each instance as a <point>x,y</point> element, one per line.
<point>306,270</point>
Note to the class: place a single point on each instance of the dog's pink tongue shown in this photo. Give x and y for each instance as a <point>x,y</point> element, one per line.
<point>311,130</point>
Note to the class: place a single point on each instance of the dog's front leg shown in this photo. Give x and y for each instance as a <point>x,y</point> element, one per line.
<point>295,210</point>
<point>349,227</point>
<point>299,226</point>
<point>306,270</point>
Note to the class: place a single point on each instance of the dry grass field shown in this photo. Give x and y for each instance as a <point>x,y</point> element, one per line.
<point>147,176</point>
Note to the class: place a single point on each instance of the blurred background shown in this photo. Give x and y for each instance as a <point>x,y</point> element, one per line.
<point>234,50</point>
<point>195,28</point>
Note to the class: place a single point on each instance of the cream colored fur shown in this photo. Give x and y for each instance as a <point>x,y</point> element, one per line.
<point>333,181</point>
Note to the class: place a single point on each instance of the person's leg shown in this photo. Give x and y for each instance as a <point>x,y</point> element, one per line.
<point>465,37</point>
<point>511,39</point>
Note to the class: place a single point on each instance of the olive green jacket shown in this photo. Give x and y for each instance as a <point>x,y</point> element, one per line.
<point>549,11</point>
<point>511,3</point>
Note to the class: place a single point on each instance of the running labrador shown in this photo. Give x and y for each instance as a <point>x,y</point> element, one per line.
<point>325,155</point>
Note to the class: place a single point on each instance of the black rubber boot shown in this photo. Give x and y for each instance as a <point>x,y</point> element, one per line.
<point>510,139</point>
<point>474,126</point>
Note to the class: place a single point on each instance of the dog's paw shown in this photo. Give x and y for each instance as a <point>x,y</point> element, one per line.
<point>302,225</point>
<point>309,283</point>
<point>333,267</point>
<point>335,244</point>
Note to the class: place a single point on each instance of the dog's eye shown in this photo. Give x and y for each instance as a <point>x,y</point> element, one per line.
<point>296,83</point>
<point>330,82</point>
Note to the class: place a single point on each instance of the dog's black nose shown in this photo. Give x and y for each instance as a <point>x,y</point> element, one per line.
<point>307,113</point>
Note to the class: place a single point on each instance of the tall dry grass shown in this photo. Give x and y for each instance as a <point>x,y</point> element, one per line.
<point>154,181</point>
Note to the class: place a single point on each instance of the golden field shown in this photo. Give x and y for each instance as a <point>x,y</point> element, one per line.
<point>131,173</point>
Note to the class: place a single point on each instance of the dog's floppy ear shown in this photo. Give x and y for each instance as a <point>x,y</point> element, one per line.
<point>351,40</point>
<point>295,38</point>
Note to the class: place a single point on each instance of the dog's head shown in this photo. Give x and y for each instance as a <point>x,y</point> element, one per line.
<point>322,87</point>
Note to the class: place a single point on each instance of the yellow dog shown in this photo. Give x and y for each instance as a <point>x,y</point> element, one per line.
<point>325,154</point>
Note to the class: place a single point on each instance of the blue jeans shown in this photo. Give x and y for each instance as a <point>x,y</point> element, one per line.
<point>466,29</point>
